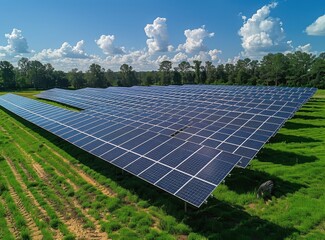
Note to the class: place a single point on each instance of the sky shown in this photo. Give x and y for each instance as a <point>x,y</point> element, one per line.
<point>142,33</point>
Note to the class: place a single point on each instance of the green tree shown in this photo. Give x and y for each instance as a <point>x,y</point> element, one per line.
<point>253,70</point>
<point>317,73</point>
<point>185,71</point>
<point>165,68</point>
<point>96,76</point>
<point>22,77</point>
<point>48,80</point>
<point>127,76</point>
<point>110,77</point>
<point>197,70</point>
<point>61,79</point>
<point>241,69</point>
<point>273,69</point>
<point>220,74</point>
<point>149,78</point>
<point>7,75</point>
<point>299,65</point>
<point>76,78</point>
<point>210,70</point>
<point>230,73</point>
<point>36,73</point>
<point>177,77</point>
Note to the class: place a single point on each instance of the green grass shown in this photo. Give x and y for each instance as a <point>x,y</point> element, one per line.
<point>294,159</point>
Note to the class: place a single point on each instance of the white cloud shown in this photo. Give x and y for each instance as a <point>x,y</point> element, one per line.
<point>17,43</point>
<point>317,28</point>
<point>179,57</point>
<point>65,51</point>
<point>214,54</point>
<point>233,60</point>
<point>158,36</point>
<point>105,42</point>
<point>305,48</point>
<point>68,56</point>
<point>204,56</point>
<point>262,34</point>
<point>194,40</point>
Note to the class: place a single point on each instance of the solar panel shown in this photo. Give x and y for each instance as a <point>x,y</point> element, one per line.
<point>182,139</point>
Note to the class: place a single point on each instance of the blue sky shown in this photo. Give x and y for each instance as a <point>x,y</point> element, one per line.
<point>142,33</point>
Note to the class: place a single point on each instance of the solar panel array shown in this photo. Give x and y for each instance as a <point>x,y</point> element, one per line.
<point>182,139</point>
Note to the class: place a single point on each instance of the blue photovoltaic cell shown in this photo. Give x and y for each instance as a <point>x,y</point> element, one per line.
<point>215,171</point>
<point>176,157</point>
<point>173,181</point>
<point>194,163</point>
<point>102,149</point>
<point>92,145</point>
<point>183,139</point>
<point>125,159</point>
<point>155,173</point>
<point>197,188</point>
<point>160,151</point>
<point>113,154</point>
<point>139,165</point>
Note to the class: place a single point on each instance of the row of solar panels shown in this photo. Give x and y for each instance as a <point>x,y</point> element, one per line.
<point>133,155</point>
<point>211,127</point>
<point>183,139</point>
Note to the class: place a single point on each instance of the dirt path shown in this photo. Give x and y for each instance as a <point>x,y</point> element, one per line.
<point>43,213</point>
<point>10,220</point>
<point>106,191</point>
<point>98,234</point>
<point>34,230</point>
<point>69,216</point>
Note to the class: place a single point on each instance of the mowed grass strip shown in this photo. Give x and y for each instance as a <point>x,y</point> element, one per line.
<point>294,159</point>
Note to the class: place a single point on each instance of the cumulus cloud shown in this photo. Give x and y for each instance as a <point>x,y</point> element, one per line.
<point>158,49</point>
<point>194,40</point>
<point>65,51</point>
<point>105,42</point>
<point>317,28</point>
<point>17,43</point>
<point>305,48</point>
<point>211,55</point>
<point>179,57</point>
<point>262,34</point>
<point>158,36</point>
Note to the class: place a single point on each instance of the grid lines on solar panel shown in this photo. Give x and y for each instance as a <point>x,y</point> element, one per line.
<point>182,139</point>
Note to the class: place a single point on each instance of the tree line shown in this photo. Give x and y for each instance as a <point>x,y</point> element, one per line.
<point>296,69</point>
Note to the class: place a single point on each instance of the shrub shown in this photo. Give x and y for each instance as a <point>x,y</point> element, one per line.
<point>112,204</point>
<point>25,235</point>
<point>195,236</point>
<point>125,213</point>
<point>3,188</point>
<point>182,228</point>
<point>32,184</point>
<point>143,204</point>
<point>54,223</point>
<point>70,193</point>
<point>127,234</point>
<point>152,235</point>
<point>142,219</point>
<point>168,224</point>
<point>112,226</point>
<point>69,237</point>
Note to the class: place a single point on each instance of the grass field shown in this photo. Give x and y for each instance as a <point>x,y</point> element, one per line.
<point>50,189</point>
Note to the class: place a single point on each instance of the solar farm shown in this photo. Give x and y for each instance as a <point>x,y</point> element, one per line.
<point>150,151</point>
